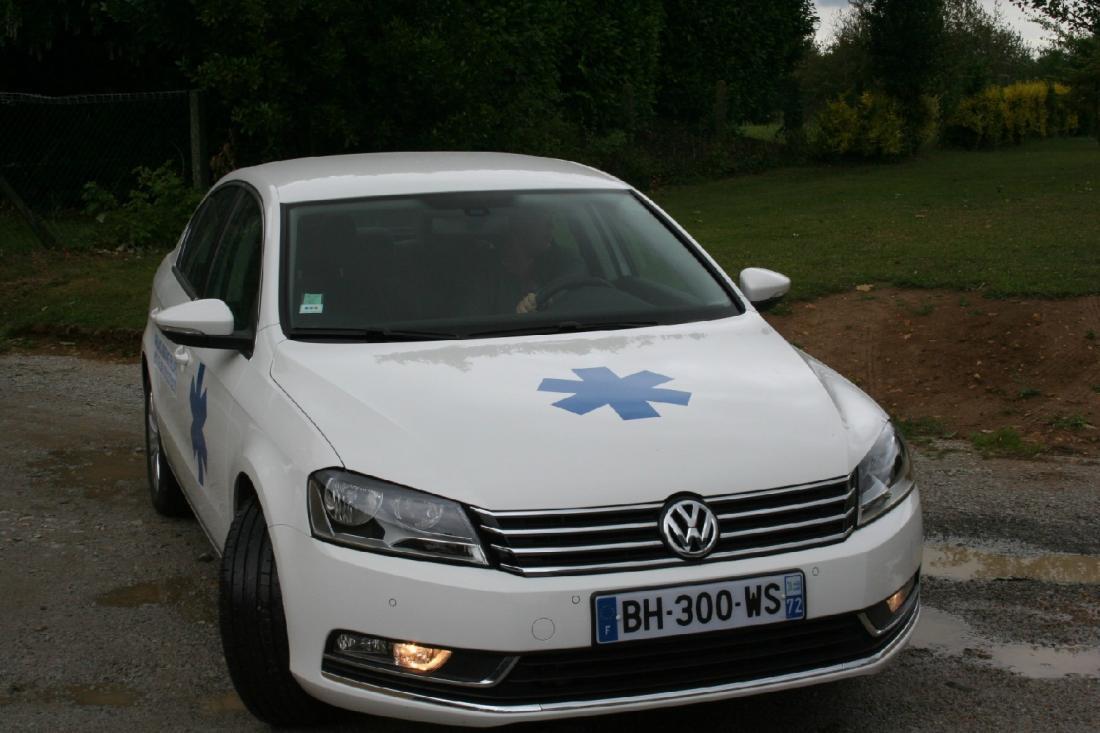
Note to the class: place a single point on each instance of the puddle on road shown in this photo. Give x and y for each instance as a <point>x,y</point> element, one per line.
<point>105,472</point>
<point>947,633</point>
<point>955,562</point>
<point>194,599</point>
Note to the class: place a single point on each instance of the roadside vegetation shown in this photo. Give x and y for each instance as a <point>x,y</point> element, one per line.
<point>1004,443</point>
<point>1020,221</point>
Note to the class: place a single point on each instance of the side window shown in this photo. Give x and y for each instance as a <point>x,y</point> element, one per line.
<point>194,260</point>
<point>235,272</point>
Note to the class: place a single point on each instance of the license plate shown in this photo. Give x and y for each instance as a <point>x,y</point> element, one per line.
<point>691,609</point>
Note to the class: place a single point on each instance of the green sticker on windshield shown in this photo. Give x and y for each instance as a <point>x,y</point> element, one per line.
<point>312,303</point>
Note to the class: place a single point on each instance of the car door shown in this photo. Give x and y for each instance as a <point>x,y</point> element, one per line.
<point>216,404</point>
<point>180,408</point>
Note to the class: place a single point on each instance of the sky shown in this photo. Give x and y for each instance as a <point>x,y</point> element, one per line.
<point>1032,32</point>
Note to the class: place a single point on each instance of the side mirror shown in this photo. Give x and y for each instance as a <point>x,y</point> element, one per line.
<point>763,288</point>
<point>204,323</point>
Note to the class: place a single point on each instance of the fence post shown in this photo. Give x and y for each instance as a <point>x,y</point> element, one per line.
<point>199,167</point>
<point>45,237</point>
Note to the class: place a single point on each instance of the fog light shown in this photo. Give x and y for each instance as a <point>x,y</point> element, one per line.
<point>386,653</point>
<point>363,646</point>
<point>419,658</point>
<point>889,612</point>
<point>895,601</point>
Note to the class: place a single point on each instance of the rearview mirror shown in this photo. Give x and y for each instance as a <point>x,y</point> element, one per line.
<point>763,288</point>
<point>206,323</point>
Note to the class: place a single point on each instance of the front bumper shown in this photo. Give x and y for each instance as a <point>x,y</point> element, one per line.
<point>326,587</point>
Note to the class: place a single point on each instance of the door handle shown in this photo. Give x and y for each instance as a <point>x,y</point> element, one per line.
<point>182,355</point>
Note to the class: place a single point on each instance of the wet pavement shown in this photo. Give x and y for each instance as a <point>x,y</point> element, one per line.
<point>961,562</point>
<point>946,633</point>
<point>108,616</point>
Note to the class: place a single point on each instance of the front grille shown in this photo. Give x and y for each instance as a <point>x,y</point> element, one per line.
<point>662,665</point>
<point>605,539</point>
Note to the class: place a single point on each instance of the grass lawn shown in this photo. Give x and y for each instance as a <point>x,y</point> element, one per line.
<point>75,287</point>
<point>88,291</point>
<point>769,132</point>
<point>1017,221</point>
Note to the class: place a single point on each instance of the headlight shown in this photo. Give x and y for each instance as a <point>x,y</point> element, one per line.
<point>884,476</point>
<point>364,512</point>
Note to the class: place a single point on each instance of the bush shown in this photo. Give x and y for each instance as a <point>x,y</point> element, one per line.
<point>1011,114</point>
<point>152,217</point>
<point>872,127</point>
<point>678,154</point>
<point>926,129</point>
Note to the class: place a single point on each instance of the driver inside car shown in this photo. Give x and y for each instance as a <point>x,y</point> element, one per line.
<point>531,260</point>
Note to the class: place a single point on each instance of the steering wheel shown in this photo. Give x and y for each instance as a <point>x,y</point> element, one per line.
<point>567,282</point>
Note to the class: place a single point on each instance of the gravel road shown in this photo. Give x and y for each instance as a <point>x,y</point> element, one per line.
<point>108,612</point>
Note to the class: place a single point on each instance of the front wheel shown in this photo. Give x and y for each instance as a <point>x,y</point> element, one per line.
<point>164,490</point>
<point>253,626</point>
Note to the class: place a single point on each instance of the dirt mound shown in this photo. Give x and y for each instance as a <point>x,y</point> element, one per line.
<point>949,362</point>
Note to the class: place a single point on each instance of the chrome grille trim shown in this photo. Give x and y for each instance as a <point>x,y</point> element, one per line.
<point>578,548</point>
<point>570,531</point>
<point>781,527</point>
<point>557,512</point>
<point>627,537</point>
<point>784,508</point>
<point>778,490</point>
<point>673,561</point>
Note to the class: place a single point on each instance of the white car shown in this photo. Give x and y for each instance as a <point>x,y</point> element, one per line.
<point>488,438</point>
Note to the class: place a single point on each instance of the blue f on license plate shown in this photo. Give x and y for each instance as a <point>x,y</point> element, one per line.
<point>693,609</point>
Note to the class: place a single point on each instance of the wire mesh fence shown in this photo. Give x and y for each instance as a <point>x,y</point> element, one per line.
<point>51,147</point>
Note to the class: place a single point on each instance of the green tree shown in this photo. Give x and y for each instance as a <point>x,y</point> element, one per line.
<point>750,46</point>
<point>840,69</point>
<point>1078,17</point>
<point>980,49</point>
<point>905,43</point>
<point>80,46</point>
<point>1075,57</point>
<point>563,77</point>
<point>609,64</point>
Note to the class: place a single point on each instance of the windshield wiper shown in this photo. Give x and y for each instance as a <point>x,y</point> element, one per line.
<point>371,335</point>
<point>560,327</point>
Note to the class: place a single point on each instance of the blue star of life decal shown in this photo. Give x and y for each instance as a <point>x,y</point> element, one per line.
<point>628,396</point>
<point>198,422</point>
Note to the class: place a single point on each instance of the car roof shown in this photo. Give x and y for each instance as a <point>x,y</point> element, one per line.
<point>386,174</point>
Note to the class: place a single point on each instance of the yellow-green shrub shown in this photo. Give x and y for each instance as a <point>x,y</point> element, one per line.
<point>870,128</point>
<point>1012,113</point>
<point>835,129</point>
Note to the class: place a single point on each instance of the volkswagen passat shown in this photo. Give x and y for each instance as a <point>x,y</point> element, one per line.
<point>489,438</point>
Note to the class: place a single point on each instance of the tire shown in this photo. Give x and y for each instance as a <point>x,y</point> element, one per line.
<point>164,490</point>
<point>253,627</point>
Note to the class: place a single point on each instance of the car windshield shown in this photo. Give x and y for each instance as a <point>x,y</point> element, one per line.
<point>462,265</point>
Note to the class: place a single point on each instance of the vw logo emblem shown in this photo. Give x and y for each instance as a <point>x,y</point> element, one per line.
<point>689,527</point>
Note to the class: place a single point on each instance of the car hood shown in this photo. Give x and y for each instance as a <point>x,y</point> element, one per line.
<point>476,421</point>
